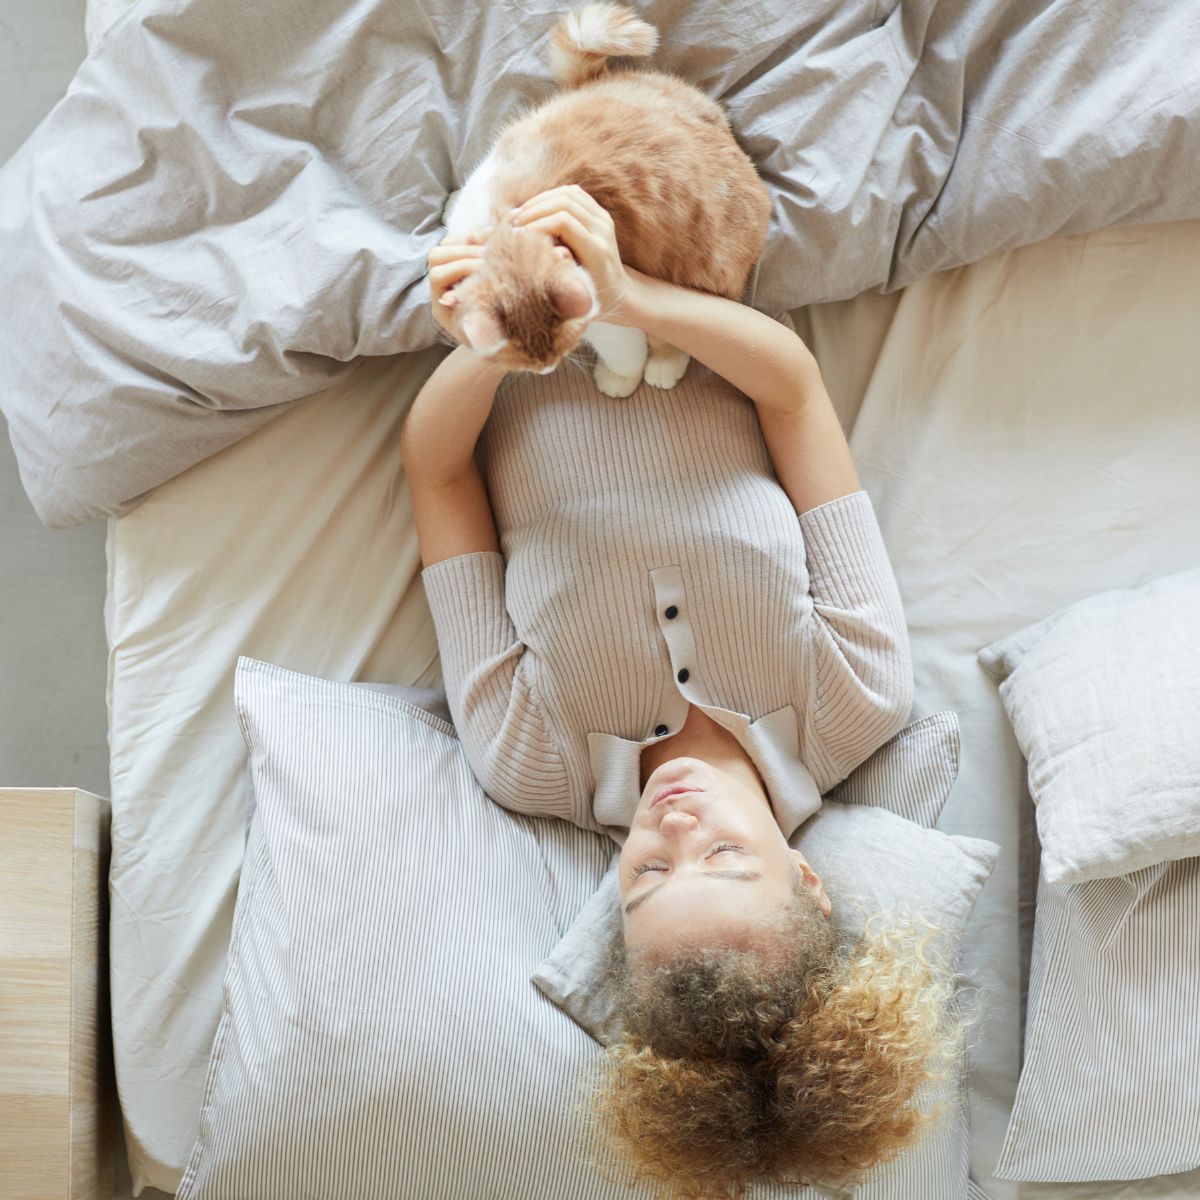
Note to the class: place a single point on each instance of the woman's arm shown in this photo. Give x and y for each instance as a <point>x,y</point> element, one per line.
<point>859,689</point>
<point>758,355</point>
<point>771,365</point>
<point>499,723</point>
<point>451,509</point>
<point>437,449</point>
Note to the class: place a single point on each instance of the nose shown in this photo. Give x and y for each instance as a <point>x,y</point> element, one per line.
<point>547,370</point>
<point>677,824</point>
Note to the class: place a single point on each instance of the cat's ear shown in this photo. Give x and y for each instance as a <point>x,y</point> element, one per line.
<point>571,295</point>
<point>483,331</point>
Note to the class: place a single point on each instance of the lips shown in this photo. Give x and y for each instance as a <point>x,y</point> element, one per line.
<point>671,789</point>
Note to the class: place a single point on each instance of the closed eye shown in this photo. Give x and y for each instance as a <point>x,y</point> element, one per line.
<point>715,876</point>
<point>725,846</point>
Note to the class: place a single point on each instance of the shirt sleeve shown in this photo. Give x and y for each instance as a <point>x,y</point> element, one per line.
<point>858,661</point>
<point>484,669</point>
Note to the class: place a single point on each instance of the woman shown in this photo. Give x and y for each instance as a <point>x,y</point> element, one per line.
<point>671,618</point>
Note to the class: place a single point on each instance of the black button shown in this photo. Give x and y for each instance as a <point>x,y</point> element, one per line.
<point>661,731</point>
<point>671,613</point>
<point>683,675</point>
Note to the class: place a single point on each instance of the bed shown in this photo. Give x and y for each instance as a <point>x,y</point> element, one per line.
<point>1025,424</point>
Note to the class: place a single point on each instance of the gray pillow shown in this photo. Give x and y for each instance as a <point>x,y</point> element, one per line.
<point>1104,699</point>
<point>1109,1084</point>
<point>870,860</point>
<point>379,1033</point>
<point>911,774</point>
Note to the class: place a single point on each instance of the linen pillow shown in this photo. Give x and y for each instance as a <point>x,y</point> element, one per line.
<point>870,860</point>
<point>1110,1082</point>
<point>1104,699</point>
<point>379,1035</point>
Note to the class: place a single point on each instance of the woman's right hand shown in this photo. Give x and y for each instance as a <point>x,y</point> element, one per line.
<point>455,257</point>
<point>585,227</point>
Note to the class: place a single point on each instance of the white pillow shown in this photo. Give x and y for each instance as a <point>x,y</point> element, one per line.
<point>379,1035</point>
<point>1104,698</point>
<point>1110,1080</point>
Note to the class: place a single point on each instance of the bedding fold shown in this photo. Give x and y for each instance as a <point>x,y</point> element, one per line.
<point>232,203</point>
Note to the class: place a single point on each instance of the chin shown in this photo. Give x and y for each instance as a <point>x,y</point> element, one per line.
<point>676,770</point>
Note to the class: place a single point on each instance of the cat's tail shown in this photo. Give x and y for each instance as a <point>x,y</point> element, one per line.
<point>588,37</point>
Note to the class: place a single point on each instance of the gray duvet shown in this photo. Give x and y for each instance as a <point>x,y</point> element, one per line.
<point>233,201</point>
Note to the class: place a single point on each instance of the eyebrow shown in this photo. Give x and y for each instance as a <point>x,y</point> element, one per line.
<point>731,874</point>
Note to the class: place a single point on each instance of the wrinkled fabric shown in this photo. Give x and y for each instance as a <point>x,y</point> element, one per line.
<point>233,202</point>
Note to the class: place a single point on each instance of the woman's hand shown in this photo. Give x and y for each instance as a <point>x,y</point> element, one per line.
<point>586,229</point>
<point>450,262</point>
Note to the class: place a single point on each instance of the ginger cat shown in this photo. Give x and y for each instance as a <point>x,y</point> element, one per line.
<point>654,151</point>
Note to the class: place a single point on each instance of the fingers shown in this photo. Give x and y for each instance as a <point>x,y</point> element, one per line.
<point>568,213</point>
<point>572,192</point>
<point>442,278</point>
<point>450,262</point>
<point>586,246</point>
<point>448,252</point>
<point>469,237</point>
<point>569,198</point>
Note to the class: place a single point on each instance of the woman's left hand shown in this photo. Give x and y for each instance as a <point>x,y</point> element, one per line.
<point>587,230</point>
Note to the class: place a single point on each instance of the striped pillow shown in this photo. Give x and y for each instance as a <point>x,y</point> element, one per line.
<point>380,1035</point>
<point>1110,1083</point>
<point>911,775</point>
<point>1104,700</point>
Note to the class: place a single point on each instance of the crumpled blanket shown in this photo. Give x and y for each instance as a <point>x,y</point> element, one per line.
<point>233,202</point>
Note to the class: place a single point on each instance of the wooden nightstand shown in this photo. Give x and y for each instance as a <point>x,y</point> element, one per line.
<point>58,1108</point>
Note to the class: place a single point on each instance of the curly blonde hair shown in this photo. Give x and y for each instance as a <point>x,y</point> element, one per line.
<point>798,1061</point>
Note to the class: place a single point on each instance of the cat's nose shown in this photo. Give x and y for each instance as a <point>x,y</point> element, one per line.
<point>547,370</point>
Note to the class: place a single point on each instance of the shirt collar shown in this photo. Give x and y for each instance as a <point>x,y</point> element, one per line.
<point>772,742</point>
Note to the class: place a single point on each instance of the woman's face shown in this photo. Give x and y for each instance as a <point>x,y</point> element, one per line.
<point>708,864</point>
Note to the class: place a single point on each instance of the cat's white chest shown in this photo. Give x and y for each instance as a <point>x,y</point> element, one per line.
<point>472,207</point>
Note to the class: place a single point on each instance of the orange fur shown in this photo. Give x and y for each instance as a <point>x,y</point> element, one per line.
<point>658,154</point>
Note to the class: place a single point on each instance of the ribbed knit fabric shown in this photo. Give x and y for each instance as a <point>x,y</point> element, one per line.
<point>642,538</point>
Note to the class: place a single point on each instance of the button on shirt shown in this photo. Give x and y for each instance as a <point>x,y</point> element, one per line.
<point>651,560</point>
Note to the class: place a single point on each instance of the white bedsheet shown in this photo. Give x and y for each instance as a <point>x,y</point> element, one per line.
<point>1027,427</point>
<point>1030,435</point>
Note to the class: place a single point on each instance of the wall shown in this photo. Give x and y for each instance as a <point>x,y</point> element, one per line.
<point>53,722</point>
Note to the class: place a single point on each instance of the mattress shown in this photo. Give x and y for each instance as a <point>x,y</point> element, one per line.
<point>1027,430</point>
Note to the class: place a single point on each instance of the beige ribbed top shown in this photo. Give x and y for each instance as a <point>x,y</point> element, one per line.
<point>651,560</point>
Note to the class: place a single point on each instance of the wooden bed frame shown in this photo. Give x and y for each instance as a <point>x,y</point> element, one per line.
<point>58,1104</point>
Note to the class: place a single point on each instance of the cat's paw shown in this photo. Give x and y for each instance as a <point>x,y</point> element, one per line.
<point>612,384</point>
<point>665,366</point>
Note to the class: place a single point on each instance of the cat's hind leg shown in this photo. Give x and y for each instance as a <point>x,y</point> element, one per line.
<point>620,357</point>
<point>666,364</point>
